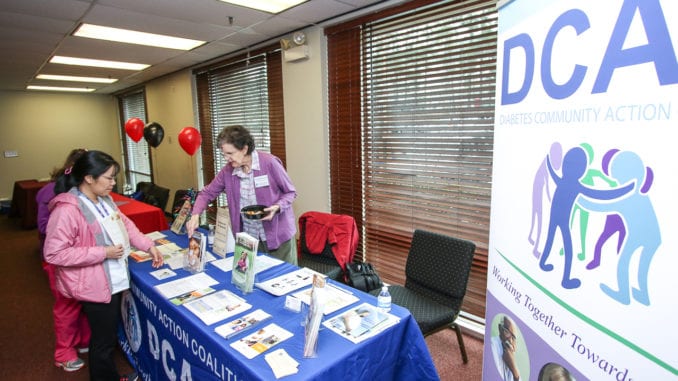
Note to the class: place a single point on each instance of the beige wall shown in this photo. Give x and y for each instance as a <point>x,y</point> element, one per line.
<point>170,103</point>
<point>44,127</point>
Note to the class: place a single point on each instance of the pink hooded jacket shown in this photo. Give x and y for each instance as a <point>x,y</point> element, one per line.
<point>75,245</point>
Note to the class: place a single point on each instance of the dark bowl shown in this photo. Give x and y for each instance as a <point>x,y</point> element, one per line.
<point>253,212</point>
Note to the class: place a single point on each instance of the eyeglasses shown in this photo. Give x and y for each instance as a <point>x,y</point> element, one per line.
<point>507,331</point>
<point>109,178</point>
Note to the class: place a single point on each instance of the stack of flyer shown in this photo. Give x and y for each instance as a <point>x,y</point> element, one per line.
<point>244,254</point>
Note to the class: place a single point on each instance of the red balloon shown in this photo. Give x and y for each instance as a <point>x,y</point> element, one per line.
<point>190,140</point>
<point>135,128</point>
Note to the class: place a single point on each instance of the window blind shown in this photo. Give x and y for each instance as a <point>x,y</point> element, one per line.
<point>420,96</point>
<point>137,154</point>
<point>244,90</point>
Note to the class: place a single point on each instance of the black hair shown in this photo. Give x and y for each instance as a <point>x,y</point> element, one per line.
<point>90,163</point>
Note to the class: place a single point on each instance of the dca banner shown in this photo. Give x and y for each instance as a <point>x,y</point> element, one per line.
<point>583,262</point>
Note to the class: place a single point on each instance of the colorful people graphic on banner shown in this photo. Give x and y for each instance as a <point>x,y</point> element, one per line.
<point>623,201</point>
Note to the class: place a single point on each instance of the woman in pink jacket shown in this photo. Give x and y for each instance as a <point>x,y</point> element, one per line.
<point>88,241</point>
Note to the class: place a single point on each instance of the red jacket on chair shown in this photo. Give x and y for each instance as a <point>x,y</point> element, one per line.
<point>339,230</point>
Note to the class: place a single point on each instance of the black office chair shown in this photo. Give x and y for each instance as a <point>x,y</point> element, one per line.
<point>327,242</point>
<point>436,275</point>
<point>324,263</point>
<point>153,194</point>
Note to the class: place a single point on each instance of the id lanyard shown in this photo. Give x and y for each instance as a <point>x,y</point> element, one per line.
<point>115,232</point>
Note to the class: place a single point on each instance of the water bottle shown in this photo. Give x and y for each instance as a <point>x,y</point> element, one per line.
<point>384,300</point>
<point>210,236</point>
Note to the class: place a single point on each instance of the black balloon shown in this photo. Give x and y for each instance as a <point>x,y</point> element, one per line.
<point>154,133</point>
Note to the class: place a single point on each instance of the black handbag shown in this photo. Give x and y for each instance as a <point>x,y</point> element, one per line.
<point>362,276</point>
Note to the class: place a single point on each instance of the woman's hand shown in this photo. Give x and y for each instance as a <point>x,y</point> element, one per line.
<point>192,224</point>
<point>114,252</point>
<point>271,211</point>
<point>158,260</point>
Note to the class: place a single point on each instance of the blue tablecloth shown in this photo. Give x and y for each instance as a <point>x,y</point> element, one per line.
<point>168,342</point>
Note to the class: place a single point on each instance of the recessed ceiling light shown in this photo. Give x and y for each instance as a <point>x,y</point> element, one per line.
<point>73,78</point>
<point>133,37</point>
<point>56,88</point>
<point>270,6</point>
<point>98,63</point>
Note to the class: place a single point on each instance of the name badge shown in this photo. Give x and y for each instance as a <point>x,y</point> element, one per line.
<point>261,181</point>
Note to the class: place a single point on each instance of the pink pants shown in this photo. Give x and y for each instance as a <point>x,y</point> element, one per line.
<point>71,329</point>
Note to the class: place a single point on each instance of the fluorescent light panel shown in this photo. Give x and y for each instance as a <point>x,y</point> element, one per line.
<point>56,88</point>
<point>72,78</point>
<point>133,37</point>
<point>98,63</point>
<point>270,6</point>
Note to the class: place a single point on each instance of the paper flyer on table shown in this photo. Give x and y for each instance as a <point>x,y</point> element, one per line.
<point>336,298</point>
<point>190,283</point>
<point>242,324</point>
<point>289,282</point>
<point>360,323</point>
<point>217,306</point>
<point>260,341</point>
<point>263,262</point>
<point>192,295</point>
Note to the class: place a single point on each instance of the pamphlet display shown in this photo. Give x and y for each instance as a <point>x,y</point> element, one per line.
<point>244,255</point>
<point>195,256</point>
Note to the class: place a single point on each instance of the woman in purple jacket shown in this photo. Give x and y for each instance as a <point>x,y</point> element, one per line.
<point>88,241</point>
<point>250,178</point>
<point>71,330</point>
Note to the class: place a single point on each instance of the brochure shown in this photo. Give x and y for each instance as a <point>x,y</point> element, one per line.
<point>242,324</point>
<point>163,273</point>
<point>315,315</point>
<point>242,275</point>
<point>223,235</point>
<point>217,306</point>
<point>195,255</point>
<point>360,323</point>
<point>185,285</point>
<point>191,295</point>
<point>140,256</point>
<point>178,226</point>
<point>260,341</point>
<point>336,298</point>
<point>289,282</point>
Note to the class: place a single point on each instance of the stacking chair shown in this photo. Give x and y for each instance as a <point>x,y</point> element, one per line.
<point>327,242</point>
<point>436,275</point>
<point>153,194</point>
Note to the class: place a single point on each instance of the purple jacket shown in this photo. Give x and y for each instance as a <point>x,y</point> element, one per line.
<point>75,245</point>
<point>45,194</point>
<point>280,190</point>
